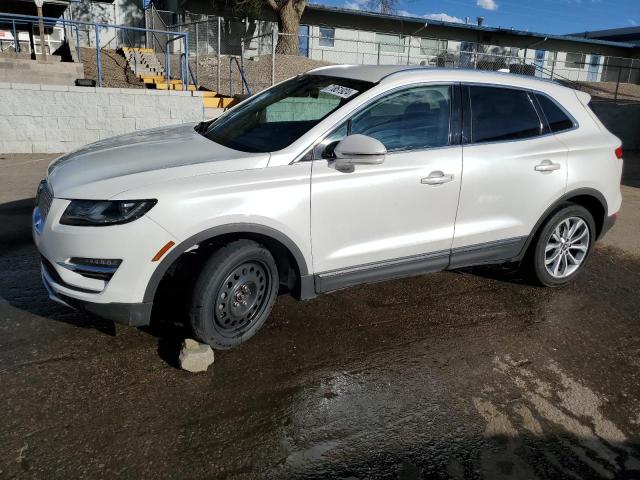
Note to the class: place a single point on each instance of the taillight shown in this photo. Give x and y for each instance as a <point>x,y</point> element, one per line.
<point>619,152</point>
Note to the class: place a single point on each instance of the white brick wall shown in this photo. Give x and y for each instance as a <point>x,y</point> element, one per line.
<point>57,119</point>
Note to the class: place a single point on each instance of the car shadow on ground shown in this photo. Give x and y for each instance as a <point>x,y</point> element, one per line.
<point>15,224</point>
<point>631,169</point>
<point>507,273</point>
<point>20,283</point>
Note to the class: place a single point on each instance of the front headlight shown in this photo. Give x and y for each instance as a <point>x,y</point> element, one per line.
<point>99,213</point>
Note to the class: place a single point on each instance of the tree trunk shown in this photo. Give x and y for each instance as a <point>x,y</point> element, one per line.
<point>288,23</point>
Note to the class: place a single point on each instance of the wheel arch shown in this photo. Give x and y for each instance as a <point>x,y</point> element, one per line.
<point>280,245</point>
<point>588,198</point>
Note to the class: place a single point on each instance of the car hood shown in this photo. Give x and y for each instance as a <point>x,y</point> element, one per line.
<point>106,168</point>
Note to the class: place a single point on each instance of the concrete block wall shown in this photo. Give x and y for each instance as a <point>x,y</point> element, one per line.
<point>621,119</point>
<point>38,118</point>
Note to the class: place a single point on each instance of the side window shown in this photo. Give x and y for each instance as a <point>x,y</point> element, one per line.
<point>412,119</point>
<point>499,114</point>
<point>556,118</point>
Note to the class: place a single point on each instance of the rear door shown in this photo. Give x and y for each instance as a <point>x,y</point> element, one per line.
<point>514,168</point>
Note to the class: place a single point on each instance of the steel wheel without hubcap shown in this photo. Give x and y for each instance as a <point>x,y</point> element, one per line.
<point>567,247</point>
<point>233,294</point>
<point>241,298</point>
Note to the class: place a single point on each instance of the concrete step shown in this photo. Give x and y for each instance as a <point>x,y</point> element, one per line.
<point>16,70</point>
<point>152,78</point>
<point>143,62</point>
<point>217,102</point>
<point>173,86</point>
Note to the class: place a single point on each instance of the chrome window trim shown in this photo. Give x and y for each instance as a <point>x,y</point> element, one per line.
<point>542,122</point>
<point>367,104</point>
<point>576,124</point>
<point>524,89</point>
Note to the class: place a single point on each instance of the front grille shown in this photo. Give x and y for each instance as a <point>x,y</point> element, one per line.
<point>44,199</point>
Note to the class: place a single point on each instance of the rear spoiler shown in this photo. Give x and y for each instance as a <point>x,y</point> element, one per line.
<point>584,97</point>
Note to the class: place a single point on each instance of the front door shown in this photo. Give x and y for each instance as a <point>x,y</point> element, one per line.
<point>594,68</point>
<point>513,171</point>
<point>539,62</point>
<point>396,216</point>
<point>303,40</point>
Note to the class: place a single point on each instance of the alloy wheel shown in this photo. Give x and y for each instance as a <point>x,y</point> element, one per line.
<point>567,247</point>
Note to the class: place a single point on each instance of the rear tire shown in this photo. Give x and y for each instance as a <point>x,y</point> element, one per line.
<point>562,246</point>
<point>233,294</point>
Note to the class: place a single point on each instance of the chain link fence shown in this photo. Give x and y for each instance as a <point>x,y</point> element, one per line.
<point>218,46</point>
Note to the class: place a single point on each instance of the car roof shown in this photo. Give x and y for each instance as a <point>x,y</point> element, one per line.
<point>388,73</point>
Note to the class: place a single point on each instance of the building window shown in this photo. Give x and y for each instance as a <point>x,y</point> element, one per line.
<point>390,43</point>
<point>575,60</point>
<point>431,46</point>
<point>327,36</point>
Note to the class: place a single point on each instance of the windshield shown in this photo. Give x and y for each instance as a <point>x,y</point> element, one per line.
<point>277,117</point>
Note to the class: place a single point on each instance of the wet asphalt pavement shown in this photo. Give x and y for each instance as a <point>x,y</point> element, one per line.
<point>471,374</point>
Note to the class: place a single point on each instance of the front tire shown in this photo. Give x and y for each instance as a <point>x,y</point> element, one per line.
<point>562,247</point>
<point>233,294</point>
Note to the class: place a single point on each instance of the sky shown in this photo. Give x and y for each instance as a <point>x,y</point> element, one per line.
<point>544,16</point>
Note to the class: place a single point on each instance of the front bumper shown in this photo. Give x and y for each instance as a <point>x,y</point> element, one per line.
<point>119,298</point>
<point>132,314</point>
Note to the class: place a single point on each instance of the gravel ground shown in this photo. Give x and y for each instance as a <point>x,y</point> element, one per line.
<point>115,72</point>
<point>627,92</point>
<point>457,375</point>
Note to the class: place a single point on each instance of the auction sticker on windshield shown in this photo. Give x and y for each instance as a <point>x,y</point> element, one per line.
<point>339,91</point>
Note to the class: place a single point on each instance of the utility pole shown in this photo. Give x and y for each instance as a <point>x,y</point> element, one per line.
<point>43,46</point>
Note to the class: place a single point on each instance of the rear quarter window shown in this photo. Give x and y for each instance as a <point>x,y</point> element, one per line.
<point>557,119</point>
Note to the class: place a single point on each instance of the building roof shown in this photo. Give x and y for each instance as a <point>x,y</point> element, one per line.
<point>465,26</point>
<point>626,34</point>
<point>611,32</point>
<point>51,8</point>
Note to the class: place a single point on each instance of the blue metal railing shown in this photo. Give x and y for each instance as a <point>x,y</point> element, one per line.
<point>242,77</point>
<point>18,20</point>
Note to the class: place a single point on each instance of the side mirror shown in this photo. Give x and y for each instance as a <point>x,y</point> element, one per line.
<point>359,150</point>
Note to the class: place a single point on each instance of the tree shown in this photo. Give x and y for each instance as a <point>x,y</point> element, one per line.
<point>288,13</point>
<point>383,6</point>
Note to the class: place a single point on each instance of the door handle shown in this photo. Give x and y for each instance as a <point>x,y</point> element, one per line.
<point>436,178</point>
<point>547,166</point>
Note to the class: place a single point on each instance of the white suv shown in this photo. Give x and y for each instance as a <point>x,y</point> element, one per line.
<point>342,176</point>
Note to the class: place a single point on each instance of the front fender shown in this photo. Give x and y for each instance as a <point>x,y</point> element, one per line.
<point>213,232</point>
